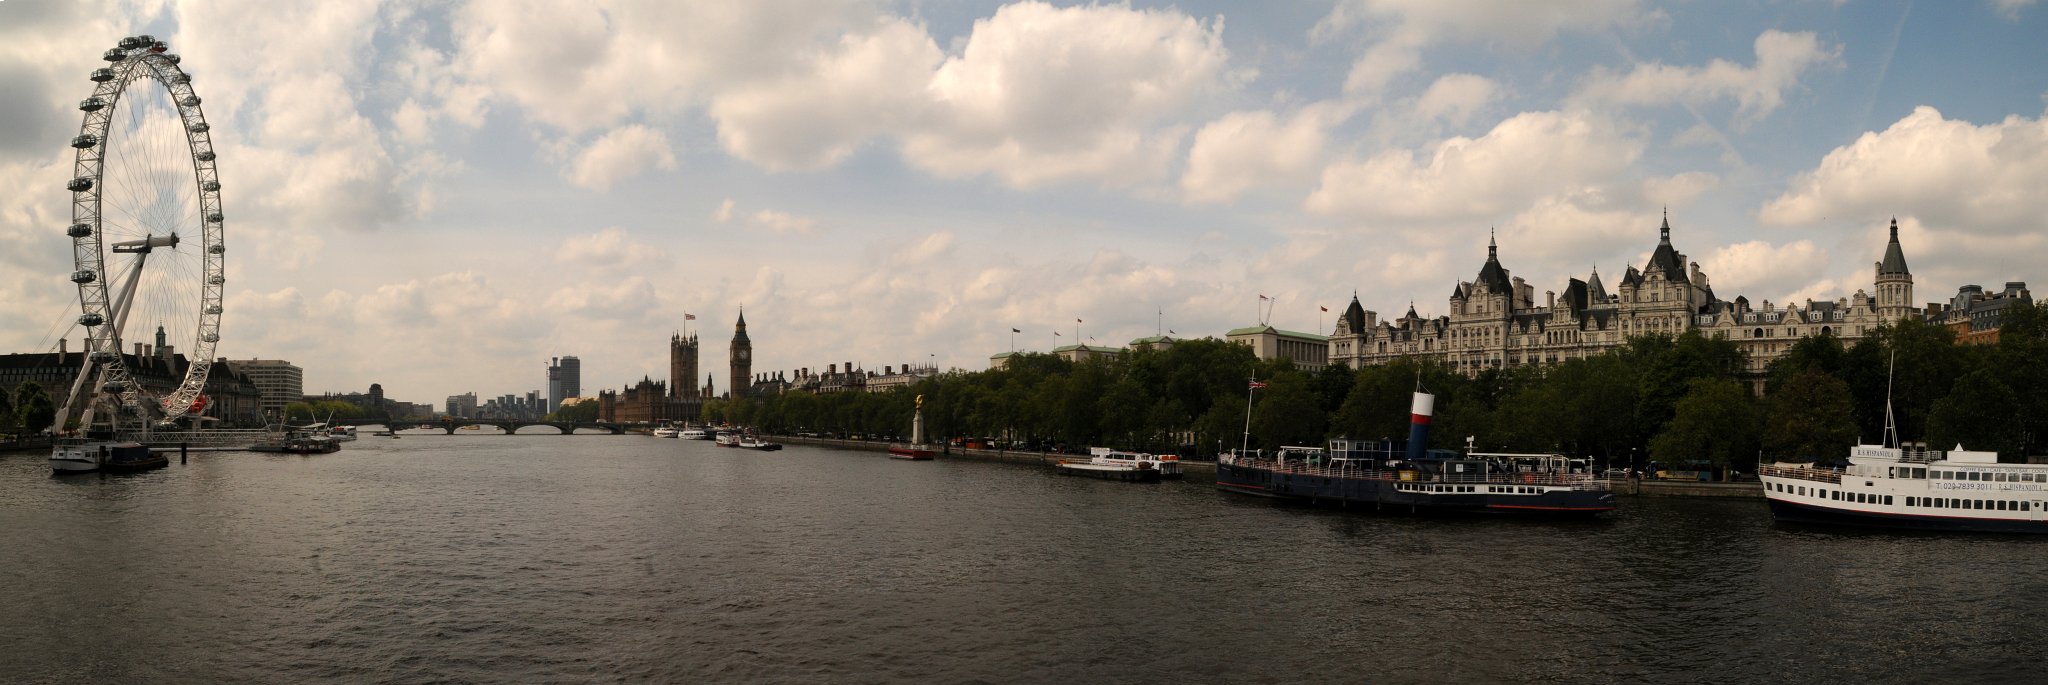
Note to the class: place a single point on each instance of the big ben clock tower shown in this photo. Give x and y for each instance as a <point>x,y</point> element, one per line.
<point>742,359</point>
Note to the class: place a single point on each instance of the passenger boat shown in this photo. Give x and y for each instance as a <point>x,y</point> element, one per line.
<point>693,434</point>
<point>87,455</point>
<point>298,441</point>
<point>757,443</point>
<point>1898,487</point>
<point>1114,465</point>
<point>917,449</point>
<point>666,431</point>
<point>728,438</point>
<point>342,433</point>
<point>1406,477</point>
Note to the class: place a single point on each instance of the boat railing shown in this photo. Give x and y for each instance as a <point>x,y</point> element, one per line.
<point>1818,475</point>
<point>1576,481</point>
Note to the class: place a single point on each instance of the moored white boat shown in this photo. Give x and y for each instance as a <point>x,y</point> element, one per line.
<point>86,456</point>
<point>1114,465</point>
<point>728,439</point>
<point>1892,487</point>
<point>666,432</point>
<point>693,434</point>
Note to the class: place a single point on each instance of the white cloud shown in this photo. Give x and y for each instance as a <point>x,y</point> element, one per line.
<point>1763,270</point>
<point>724,211</point>
<point>1527,157</point>
<point>1951,174</point>
<point>2010,9</point>
<point>869,85</point>
<point>1243,150</point>
<point>610,247</point>
<point>589,64</point>
<point>1042,94</point>
<point>623,153</point>
<point>1406,27</point>
<point>782,223</point>
<point>1454,98</point>
<point>1758,90</point>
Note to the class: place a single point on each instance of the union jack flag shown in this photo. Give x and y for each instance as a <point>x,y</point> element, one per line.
<point>689,317</point>
<point>1258,384</point>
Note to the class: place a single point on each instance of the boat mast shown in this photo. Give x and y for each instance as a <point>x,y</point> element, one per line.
<point>1891,426</point>
<point>1248,388</point>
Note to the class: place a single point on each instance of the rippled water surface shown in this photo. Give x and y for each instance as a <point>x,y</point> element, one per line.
<point>571,558</point>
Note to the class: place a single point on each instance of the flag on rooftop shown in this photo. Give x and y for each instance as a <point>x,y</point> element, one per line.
<point>689,317</point>
<point>1322,308</point>
<point>1258,384</point>
<point>1013,330</point>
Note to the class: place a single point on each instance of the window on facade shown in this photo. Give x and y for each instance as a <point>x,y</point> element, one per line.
<point>1887,500</point>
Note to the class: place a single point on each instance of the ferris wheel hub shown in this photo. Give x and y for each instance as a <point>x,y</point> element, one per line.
<point>145,245</point>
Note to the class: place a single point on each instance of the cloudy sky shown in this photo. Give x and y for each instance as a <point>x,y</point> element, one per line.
<point>438,196</point>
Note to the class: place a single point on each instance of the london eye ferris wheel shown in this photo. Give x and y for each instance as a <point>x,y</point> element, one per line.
<point>146,235</point>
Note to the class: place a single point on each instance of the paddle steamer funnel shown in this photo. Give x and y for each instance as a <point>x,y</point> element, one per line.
<point>1419,411</point>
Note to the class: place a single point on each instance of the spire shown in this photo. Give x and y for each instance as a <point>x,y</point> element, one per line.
<point>1492,248</point>
<point>1894,255</point>
<point>160,341</point>
<point>1664,234</point>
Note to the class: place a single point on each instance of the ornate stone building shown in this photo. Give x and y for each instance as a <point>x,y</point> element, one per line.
<point>652,401</point>
<point>1494,321</point>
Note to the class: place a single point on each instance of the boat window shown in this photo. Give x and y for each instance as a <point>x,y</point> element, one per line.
<point>1999,505</point>
<point>1887,500</point>
<point>1909,501</point>
<point>2023,506</point>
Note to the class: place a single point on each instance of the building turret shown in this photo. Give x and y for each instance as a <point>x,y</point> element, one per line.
<point>1894,281</point>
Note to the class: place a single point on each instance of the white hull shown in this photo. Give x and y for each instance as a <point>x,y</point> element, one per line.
<point>73,465</point>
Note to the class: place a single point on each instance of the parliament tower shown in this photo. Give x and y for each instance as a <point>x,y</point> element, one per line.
<point>742,351</point>
<point>682,367</point>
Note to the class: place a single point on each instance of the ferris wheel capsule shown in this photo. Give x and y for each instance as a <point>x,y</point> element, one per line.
<point>79,185</point>
<point>90,319</point>
<point>85,141</point>
<point>83,277</point>
<point>91,104</point>
<point>79,230</point>
<point>102,75</point>
<point>114,55</point>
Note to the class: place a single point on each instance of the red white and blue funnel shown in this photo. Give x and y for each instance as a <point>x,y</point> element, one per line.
<point>1420,410</point>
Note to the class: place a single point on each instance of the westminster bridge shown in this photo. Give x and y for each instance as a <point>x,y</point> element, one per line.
<point>510,426</point>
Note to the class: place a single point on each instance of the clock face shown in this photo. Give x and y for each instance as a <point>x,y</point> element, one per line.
<point>742,355</point>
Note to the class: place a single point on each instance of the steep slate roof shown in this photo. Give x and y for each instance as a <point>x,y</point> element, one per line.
<point>1666,256</point>
<point>1894,257</point>
<point>1354,315</point>
<point>1575,296</point>
<point>1492,275</point>
<point>1595,292</point>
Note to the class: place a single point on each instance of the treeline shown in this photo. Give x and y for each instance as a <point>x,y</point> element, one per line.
<point>1675,400</point>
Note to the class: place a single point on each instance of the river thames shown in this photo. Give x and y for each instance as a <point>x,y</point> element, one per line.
<point>486,558</point>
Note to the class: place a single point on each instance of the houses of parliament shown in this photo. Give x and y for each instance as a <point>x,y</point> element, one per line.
<point>679,398</point>
<point>1494,321</point>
